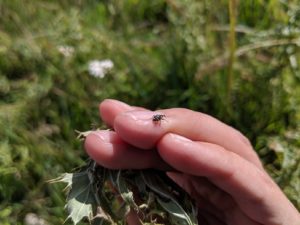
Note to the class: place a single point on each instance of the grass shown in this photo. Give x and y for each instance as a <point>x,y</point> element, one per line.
<point>167,53</point>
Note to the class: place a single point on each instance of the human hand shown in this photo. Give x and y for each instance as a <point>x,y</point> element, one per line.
<point>213,162</point>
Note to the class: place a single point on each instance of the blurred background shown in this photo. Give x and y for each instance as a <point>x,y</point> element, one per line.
<point>235,60</point>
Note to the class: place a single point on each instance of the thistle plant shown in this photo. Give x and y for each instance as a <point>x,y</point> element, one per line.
<point>104,196</point>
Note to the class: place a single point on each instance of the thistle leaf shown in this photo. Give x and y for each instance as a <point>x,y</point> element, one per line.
<point>176,212</point>
<point>94,193</point>
<point>80,200</point>
<point>66,178</point>
<point>168,202</point>
<point>124,191</point>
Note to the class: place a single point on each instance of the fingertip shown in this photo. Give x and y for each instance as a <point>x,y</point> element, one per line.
<point>110,108</point>
<point>195,158</point>
<point>175,150</point>
<point>110,151</point>
<point>138,129</point>
<point>100,146</point>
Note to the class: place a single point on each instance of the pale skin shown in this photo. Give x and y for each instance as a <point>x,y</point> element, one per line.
<point>212,161</point>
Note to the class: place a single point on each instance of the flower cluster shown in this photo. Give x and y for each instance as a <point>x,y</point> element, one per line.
<point>99,68</point>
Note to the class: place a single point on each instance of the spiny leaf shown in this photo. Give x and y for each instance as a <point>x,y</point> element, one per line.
<point>124,191</point>
<point>176,212</point>
<point>81,198</point>
<point>102,194</point>
<point>94,192</point>
<point>66,178</point>
<point>168,201</point>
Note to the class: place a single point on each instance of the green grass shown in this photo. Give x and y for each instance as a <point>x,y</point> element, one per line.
<point>167,53</point>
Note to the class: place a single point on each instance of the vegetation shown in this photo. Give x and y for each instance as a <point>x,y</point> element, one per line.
<point>235,60</point>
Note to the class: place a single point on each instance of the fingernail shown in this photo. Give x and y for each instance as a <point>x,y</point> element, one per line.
<point>180,139</point>
<point>118,103</point>
<point>141,115</point>
<point>102,136</point>
<point>106,136</point>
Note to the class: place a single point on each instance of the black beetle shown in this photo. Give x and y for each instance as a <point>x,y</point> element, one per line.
<point>158,117</point>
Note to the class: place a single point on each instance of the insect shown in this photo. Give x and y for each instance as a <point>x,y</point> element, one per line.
<point>158,117</point>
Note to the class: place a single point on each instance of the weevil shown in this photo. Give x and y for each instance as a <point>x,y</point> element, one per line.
<point>158,117</point>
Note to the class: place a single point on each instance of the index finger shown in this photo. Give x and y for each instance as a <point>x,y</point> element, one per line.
<point>144,128</point>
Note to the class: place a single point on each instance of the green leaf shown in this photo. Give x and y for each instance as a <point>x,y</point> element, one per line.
<point>176,212</point>
<point>94,194</point>
<point>124,191</point>
<point>81,198</point>
<point>167,201</point>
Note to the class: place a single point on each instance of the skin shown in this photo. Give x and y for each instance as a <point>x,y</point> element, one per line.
<point>212,161</point>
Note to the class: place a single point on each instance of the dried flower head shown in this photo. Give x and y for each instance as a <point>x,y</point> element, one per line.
<point>66,50</point>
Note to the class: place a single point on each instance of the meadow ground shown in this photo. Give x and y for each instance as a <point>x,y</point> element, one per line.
<point>242,68</point>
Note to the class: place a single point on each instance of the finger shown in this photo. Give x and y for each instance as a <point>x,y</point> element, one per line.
<point>133,218</point>
<point>193,125</point>
<point>204,202</point>
<point>110,151</point>
<point>209,219</point>
<point>216,200</point>
<point>202,188</point>
<point>139,129</point>
<point>110,108</point>
<point>253,191</point>
<point>146,134</point>
<point>237,217</point>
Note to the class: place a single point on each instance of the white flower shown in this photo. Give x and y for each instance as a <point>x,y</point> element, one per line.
<point>100,68</point>
<point>33,219</point>
<point>66,50</point>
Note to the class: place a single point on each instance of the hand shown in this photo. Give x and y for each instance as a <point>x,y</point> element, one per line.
<point>214,163</point>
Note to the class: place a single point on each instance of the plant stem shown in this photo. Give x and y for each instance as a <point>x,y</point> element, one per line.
<point>232,46</point>
<point>223,60</point>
